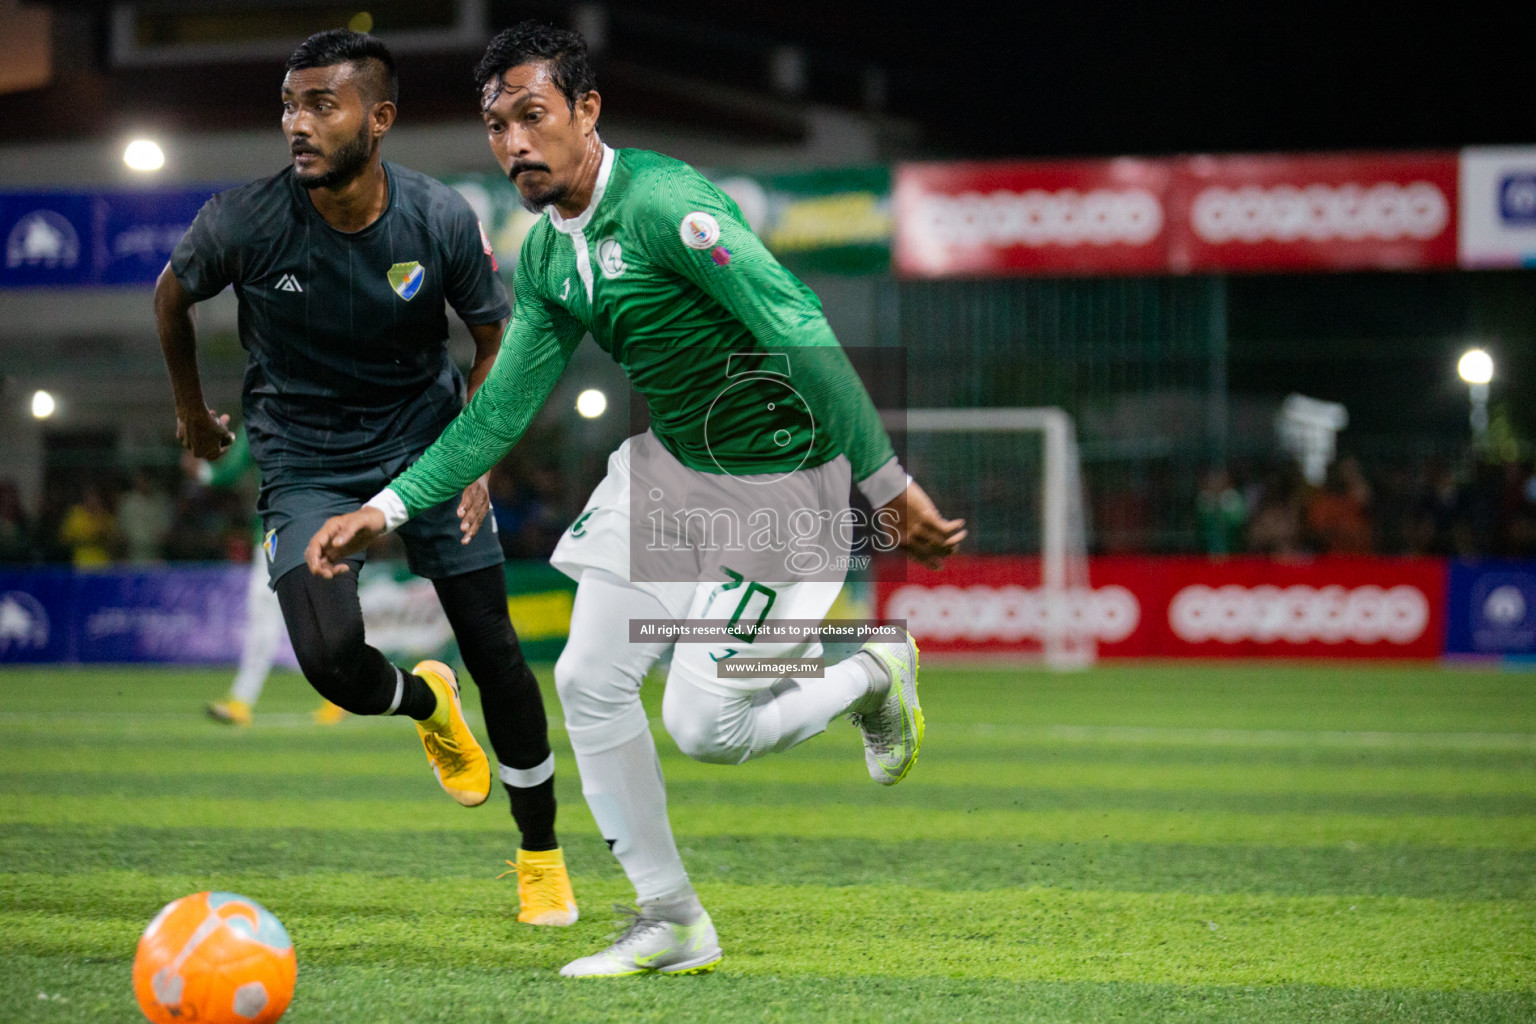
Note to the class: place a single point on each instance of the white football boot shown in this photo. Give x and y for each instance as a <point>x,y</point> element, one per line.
<point>893,731</point>
<point>653,946</point>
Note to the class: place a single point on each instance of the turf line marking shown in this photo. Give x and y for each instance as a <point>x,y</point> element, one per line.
<point>1498,741</point>
<point>1207,828</point>
<point>1520,741</point>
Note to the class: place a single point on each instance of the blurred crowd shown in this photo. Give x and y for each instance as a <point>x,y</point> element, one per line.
<point>165,515</point>
<point>1425,507</point>
<point>151,516</point>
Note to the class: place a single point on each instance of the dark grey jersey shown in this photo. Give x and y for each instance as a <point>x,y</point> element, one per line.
<point>346,333</point>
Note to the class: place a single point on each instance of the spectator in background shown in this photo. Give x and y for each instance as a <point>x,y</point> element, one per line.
<point>1397,529</point>
<point>1441,508</point>
<point>1338,515</point>
<point>1274,528</point>
<point>1479,530</point>
<point>15,529</point>
<point>1520,511</point>
<point>525,507</point>
<point>144,519</point>
<point>89,530</point>
<point>1222,514</point>
<point>1121,520</point>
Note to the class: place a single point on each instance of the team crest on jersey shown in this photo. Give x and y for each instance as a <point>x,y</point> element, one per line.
<point>610,257</point>
<point>699,230</point>
<point>406,278</point>
<point>269,545</point>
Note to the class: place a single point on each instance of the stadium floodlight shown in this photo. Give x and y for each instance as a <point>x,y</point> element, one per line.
<point>591,403</point>
<point>144,155</point>
<point>43,405</point>
<point>1476,368</point>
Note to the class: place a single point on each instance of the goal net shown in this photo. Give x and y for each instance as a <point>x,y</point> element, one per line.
<point>1014,476</point>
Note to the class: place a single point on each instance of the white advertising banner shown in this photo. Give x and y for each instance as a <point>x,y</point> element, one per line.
<point>1498,207</point>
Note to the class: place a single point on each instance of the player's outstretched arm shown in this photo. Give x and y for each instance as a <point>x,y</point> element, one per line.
<point>538,343</point>
<point>927,537</point>
<point>475,503</point>
<point>200,430</point>
<point>340,536</point>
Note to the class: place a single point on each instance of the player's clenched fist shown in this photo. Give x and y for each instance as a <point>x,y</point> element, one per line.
<point>922,533</point>
<point>341,536</point>
<point>203,432</point>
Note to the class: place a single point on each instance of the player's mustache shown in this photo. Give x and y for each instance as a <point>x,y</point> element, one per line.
<point>302,147</point>
<point>524,165</point>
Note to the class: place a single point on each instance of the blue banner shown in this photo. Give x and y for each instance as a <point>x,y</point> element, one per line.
<point>36,616</point>
<point>187,615</point>
<point>1492,608</point>
<point>197,614</point>
<point>89,239</point>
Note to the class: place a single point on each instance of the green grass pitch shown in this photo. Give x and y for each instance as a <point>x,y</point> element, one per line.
<point>1164,842</point>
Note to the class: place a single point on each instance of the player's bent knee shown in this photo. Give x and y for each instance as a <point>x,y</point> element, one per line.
<point>704,736</point>
<point>593,690</point>
<point>571,668</point>
<point>331,658</point>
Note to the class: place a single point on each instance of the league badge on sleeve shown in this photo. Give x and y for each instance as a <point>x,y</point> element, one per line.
<point>269,545</point>
<point>406,278</point>
<point>486,246</point>
<point>699,230</point>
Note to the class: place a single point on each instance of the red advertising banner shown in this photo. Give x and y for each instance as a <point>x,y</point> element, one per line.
<point>1182,607</point>
<point>1351,211</point>
<point>1389,211</point>
<point>1076,217</point>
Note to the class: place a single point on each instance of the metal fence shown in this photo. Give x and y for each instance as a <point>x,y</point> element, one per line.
<point>1140,364</point>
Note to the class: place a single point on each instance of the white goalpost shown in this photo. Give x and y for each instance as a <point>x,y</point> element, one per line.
<point>1067,638</point>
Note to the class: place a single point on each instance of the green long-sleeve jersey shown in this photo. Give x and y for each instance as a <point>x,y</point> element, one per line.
<point>732,353</point>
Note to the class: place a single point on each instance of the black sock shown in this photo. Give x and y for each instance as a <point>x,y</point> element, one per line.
<point>533,809</point>
<point>417,699</point>
<point>476,606</point>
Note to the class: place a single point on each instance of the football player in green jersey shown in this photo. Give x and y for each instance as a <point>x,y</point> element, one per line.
<point>754,408</point>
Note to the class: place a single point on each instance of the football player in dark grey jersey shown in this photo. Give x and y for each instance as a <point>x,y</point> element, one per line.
<point>342,264</point>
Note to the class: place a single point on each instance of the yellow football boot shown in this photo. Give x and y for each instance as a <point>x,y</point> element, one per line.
<point>457,759</point>
<point>328,713</point>
<point>543,888</point>
<point>230,712</point>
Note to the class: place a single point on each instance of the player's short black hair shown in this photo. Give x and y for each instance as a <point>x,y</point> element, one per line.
<point>564,51</point>
<point>343,46</point>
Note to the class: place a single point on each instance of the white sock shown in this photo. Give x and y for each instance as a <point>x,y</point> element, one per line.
<point>681,906</point>
<point>791,711</point>
<point>879,681</point>
<point>263,626</point>
<point>624,788</point>
<point>726,728</point>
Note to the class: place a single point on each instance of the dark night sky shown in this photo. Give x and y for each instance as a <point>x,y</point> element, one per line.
<point>1105,78</point>
<point>1017,79</point>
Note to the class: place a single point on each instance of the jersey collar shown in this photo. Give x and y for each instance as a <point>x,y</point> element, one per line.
<point>579,223</point>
